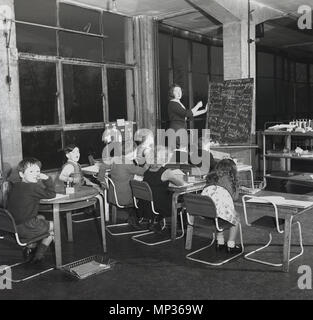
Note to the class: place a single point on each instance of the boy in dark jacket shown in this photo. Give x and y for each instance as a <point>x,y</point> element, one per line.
<point>23,202</point>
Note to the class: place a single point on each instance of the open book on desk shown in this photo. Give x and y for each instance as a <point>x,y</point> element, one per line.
<point>282,201</point>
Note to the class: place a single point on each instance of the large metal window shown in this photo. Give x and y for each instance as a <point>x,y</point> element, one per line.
<point>76,72</point>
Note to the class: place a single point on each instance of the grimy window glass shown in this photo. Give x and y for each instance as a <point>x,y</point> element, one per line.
<point>38,90</point>
<point>37,40</point>
<point>80,19</point>
<point>114,30</point>
<point>117,94</point>
<point>80,46</point>
<point>36,11</point>
<point>82,94</point>
<point>199,58</point>
<point>88,141</point>
<point>45,146</point>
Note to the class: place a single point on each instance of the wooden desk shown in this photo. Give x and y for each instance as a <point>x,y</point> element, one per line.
<point>83,194</point>
<point>291,213</point>
<point>178,191</point>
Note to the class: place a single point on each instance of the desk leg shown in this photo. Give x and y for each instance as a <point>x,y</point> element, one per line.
<point>69,224</point>
<point>106,205</point>
<point>174,215</point>
<point>287,239</point>
<point>102,221</point>
<point>57,235</point>
<point>252,181</point>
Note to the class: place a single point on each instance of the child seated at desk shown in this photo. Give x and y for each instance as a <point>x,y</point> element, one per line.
<point>23,202</point>
<point>71,171</point>
<point>158,179</point>
<point>223,189</point>
<point>122,170</point>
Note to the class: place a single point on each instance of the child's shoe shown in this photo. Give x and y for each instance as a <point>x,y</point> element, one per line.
<point>40,252</point>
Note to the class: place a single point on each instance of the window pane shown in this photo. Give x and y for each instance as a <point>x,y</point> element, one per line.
<point>265,65</point>
<point>279,67</point>
<point>200,93</point>
<point>38,93</point>
<point>115,30</point>
<point>45,146</point>
<point>36,11</point>
<point>217,61</point>
<point>80,19</point>
<point>301,72</point>
<point>199,58</point>
<point>88,141</point>
<point>35,40</point>
<point>79,46</point>
<point>82,94</point>
<point>180,53</point>
<point>117,94</point>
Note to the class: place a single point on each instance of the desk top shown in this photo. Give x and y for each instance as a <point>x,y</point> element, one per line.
<point>288,200</point>
<point>189,187</point>
<point>83,193</point>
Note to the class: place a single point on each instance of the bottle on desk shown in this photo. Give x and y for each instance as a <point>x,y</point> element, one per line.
<point>69,188</point>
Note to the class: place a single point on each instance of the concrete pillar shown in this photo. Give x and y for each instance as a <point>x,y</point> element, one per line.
<point>145,42</point>
<point>10,125</point>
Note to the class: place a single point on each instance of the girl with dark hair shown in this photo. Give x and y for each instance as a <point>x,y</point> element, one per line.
<point>223,190</point>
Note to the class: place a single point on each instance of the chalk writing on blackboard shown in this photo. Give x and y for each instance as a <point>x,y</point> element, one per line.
<point>230,111</point>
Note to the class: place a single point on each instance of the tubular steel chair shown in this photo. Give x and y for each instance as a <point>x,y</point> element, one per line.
<point>9,232</point>
<point>270,224</point>
<point>202,208</point>
<point>120,228</point>
<point>142,191</point>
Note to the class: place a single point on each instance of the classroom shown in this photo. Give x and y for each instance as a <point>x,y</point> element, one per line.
<point>161,150</point>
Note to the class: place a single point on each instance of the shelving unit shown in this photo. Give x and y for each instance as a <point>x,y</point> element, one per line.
<point>286,173</point>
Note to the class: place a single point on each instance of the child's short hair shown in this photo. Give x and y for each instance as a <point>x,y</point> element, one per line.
<point>27,162</point>
<point>69,148</point>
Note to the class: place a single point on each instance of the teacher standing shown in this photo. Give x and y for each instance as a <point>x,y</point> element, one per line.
<point>177,112</point>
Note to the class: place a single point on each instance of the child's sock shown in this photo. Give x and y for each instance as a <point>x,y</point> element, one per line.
<point>231,244</point>
<point>220,239</point>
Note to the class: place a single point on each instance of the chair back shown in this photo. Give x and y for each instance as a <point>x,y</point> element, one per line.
<point>198,205</point>
<point>7,222</point>
<point>141,190</point>
<point>111,184</point>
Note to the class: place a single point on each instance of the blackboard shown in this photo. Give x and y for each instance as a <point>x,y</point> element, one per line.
<point>230,111</point>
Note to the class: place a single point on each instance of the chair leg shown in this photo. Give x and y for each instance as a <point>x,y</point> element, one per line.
<point>153,235</point>
<point>121,229</point>
<point>247,256</point>
<point>300,243</point>
<point>219,260</point>
<point>189,235</point>
<point>26,278</point>
<point>69,225</point>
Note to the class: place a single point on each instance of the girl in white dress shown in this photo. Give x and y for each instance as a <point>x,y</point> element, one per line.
<point>223,189</point>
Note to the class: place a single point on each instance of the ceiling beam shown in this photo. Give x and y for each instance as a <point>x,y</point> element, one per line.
<point>175,14</point>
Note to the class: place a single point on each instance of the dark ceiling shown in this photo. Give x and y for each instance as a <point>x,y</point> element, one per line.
<point>281,30</point>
